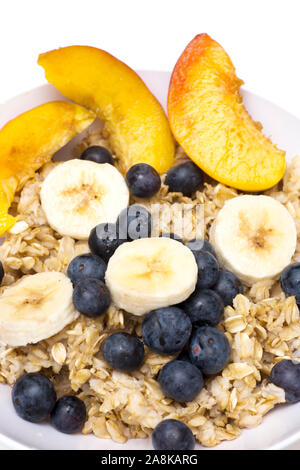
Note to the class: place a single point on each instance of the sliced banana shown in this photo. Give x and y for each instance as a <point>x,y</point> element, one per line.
<point>254,236</point>
<point>151,273</point>
<point>37,307</point>
<point>78,195</point>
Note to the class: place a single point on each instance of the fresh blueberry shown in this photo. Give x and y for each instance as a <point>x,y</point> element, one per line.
<point>97,154</point>
<point>123,352</point>
<point>69,414</point>
<point>209,350</point>
<point>172,434</point>
<point>166,330</point>
<point>185,178</point>
<point>104,240</point>
<point>143,180</point>
<point>33,397</point>
<point>91,297</point>
<point>208,269</point>
<point>286,374</point>
<point>1,272</point>
<point>198,244</point>
<point>290,281</point>
<point>228,286</point>
<point>180,380</point>
<point>173,236</point>
<point>134,222</point>
<point>204,307</point>
<point>86,266</point>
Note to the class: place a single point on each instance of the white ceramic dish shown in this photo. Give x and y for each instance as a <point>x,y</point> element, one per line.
<point>281,427</point>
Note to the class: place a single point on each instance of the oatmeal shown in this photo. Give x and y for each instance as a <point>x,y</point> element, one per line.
<point>138,296</point>
<point>262,328</point>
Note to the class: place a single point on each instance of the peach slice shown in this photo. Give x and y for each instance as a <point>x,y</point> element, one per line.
<point>210,122</point>
<point>29,141</point>
<point>136,123</point>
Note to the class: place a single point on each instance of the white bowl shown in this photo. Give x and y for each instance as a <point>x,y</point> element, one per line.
<point>280,428</point>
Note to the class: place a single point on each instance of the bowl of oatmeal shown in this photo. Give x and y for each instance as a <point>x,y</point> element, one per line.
<point>123,407</point>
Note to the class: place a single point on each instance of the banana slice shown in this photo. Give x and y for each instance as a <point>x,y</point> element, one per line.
<point>254,236</point>
<point>37,307</point>
<point>78,195</point>
<point>151,273</point>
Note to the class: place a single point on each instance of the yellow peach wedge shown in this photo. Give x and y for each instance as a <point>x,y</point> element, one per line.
<point>210,122</point>
<point>29,141</point>
<point>135,121</point>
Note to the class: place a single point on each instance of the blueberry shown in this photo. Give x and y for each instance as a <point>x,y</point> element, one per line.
<point>185,178</point>
<point>198,244</point>
<point>166,330</point>
<point>228,286</point>
<point>208,269</point>
<point>209,350</point>
<point>180,380</point>
<point>290,281</point>
<point>204,307</point>
<point>123,352</point>
<point>86,266</point>
<point>91,297</point>
<point>286,374</point>
<point>33,397</point>
<point>97,154</point>
<point>69,414</point>
<point>104,240</point>
<point>172,434</point>
<point>1,272</point>
<point>143,180</point>
<point>134,222</point>
<point>173,236</point>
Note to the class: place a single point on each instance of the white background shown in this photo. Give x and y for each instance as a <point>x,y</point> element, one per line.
<point>261,36</point>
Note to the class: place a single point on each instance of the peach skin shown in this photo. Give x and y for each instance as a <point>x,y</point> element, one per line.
<point>136,123</point>
<point>29,141</point>
<point>210,122</point>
